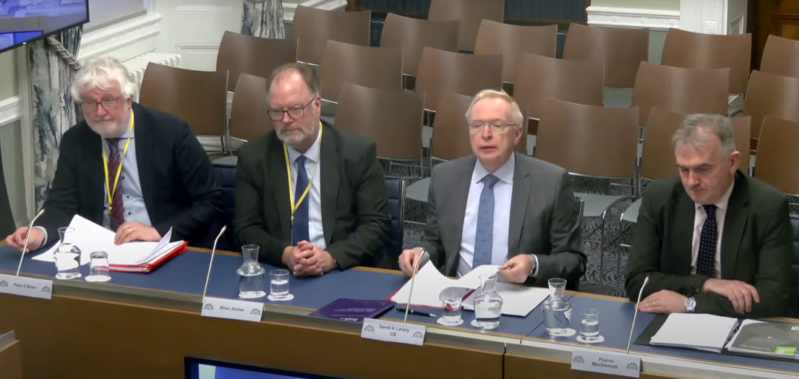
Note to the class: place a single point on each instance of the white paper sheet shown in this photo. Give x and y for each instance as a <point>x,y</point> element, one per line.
<point>430,283</point>
<point>692,330</point>
<point>90,237</point>
<point>517,300</point>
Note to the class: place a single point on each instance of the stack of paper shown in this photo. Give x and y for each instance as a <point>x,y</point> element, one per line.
<point>695,331</point>
<point>430,283</point>
<point>132,256</point>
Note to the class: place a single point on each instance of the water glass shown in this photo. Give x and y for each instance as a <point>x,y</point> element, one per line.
<point>279,283</point>
<point>451,307</point>
<point>99,270</point>
<point>589,323</point>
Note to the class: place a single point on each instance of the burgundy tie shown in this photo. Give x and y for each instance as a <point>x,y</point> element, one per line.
<point>117,214</point>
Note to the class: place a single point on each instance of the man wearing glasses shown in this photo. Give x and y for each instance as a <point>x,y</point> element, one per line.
<point>134,170</point>
<point>312,196</point>
<point>500,208</point>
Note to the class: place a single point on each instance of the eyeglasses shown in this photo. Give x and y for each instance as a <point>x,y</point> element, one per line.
<point>295,113</point>
<point>91,105</point>
<point>496,126</point>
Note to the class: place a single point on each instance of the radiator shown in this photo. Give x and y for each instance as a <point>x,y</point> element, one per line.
<point>138,65</point>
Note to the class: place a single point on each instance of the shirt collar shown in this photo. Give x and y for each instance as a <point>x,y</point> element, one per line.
<point>313,152</point>
<point>504,173</point>
<point>723,201</point>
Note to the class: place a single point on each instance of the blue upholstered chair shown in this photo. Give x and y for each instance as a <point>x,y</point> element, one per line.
<point>396,207</point>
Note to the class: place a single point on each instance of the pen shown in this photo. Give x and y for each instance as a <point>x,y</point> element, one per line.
<point>415,312</point>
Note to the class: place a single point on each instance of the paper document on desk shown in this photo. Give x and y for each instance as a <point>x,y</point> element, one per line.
<point>430,283</point>
<point>773,339</point>
<point>695,331</point>
<point>517,300</point>
<point>90,237</point>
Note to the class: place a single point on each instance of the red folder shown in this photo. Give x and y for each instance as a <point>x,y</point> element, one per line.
<point>149,266</point>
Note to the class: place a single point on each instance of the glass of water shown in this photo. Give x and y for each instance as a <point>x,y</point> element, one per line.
<point>67,256</point>
<point>451,307</point>
<point>589,324</point>
<point>279,284</point>
<point>99,270</point>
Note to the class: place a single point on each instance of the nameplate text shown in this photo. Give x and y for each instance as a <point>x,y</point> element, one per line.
<point>605,362</point>
<point>24,286</point>
<point>390,331</point>
<point>232,309</point>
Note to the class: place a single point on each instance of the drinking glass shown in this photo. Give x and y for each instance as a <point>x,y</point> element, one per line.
<point>67,256</point>
<point>451,307</point>
<point>99,270</point>
<point>279,284</point>
<point>589,323</point>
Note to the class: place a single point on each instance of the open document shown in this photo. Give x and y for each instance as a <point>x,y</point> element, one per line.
<point>695,331</point>
<point>132,256</point>
<point>517,300</point>
<point>772,339</point>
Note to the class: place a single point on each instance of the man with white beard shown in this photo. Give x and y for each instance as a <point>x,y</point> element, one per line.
<point>134,170</point>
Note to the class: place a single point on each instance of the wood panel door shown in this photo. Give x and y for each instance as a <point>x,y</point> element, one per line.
<point>778,17</point>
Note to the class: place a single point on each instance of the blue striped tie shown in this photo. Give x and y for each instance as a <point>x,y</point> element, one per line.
<point>299,228</point>
<point>484,236</point>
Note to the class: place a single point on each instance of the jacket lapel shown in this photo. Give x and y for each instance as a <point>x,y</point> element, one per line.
<point>518,205</point>
<point>734,224</point>
<point>330,176</point>
<point>459,196</point>
<point>683,224</point>
<point>144,153</point>
<point>276,177</point>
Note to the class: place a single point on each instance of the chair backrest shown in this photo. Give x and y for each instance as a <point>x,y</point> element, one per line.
<point>682,90</point>
<point>225,171</point>
<point>450,131</point>
<point>7,225</point>
<point>620,51</point>
<point>392,119</point>
<point>197,97</point>
<point>770,95</point>
<point>249,116</point>
<point>467,74</point>
<point>777,155</point>
<point>793,298</point>
<point>513,40</point>
<point>657,156</point>
<point>542,78</point>
<point>375,67</point>
<point>568,135</point>
<point>241,54</point>
<point>314,27</point>
<point>781,56</point>
<point>412,35</point>
<point>698,50</point>
<point>396,207</point>
<point>470,13</point>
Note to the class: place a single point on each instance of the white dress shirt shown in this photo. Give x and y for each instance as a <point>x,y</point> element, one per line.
<point>699,220</point>
<point>315,230</point>
<point>503,190</point>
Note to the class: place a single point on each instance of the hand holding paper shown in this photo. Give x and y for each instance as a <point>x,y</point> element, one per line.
<point>135,231</point>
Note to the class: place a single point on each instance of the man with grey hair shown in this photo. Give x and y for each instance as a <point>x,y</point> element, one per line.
<point>134,170</point>
<point>711,240</point>
<point>499,207</point>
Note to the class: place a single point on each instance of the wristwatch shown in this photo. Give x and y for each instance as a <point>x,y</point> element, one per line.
<point>690,304</point>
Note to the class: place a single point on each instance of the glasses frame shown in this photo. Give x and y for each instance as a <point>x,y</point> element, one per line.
<point>108,104</point>
<point>493,125</point>
<point>284,112</point>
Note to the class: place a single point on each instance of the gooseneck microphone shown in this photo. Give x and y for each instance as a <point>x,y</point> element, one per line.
<point>636,313</point>
<point>213,251</point>
<point>27,238</point>
<point>413,280</point>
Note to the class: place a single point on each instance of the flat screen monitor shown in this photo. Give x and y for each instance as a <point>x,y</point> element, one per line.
<point>198,368</point>
<point>23,21</point>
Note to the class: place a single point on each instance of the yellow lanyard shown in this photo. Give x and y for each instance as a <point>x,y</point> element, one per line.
<point>108,189</point>
<point>296,205</point>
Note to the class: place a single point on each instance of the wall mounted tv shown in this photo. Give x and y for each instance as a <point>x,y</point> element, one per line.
<point>23,21</point>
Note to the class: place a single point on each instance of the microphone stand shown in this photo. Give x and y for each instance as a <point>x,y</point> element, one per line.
<point>210,264</point>
<point>27,238</point>
<point>413,280</point>
<point>641,291</point>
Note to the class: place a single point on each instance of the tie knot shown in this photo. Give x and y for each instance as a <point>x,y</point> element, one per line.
<point>710,209</point>
<point>490,180</point>
<point>301,160</point>
<point>113,143</point>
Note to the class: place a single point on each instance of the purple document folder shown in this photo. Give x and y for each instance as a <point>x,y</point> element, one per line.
<point>353,310</point>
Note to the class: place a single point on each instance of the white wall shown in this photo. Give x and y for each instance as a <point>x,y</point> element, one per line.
<point>105,12</point>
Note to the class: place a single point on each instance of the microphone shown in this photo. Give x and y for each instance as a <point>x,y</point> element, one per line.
<point>641,291</point>
<point>413,280</point>
<point>27,238</point>
<point>213,251</point>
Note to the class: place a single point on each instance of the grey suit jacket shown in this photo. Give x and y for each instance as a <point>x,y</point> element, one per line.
<point>543,218</point>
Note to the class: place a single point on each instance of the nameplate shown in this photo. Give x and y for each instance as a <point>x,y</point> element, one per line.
<point>232,309</point>
<point>390,331</point>
<point>605,362</point>
<point>24,286</point>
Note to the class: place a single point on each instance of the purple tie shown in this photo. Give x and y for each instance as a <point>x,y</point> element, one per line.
<point>117,214</point>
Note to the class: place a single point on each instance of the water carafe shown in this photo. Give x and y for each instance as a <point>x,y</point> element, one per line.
<point>488,304</point>
<point>67,256</point>
<point>557,310</point>
<point>251,274</point>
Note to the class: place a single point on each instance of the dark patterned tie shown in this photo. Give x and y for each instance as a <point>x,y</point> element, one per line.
<point>299,228</point>
<point>117,214</point>
<point>706,258</point>
<point>484,235</point>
